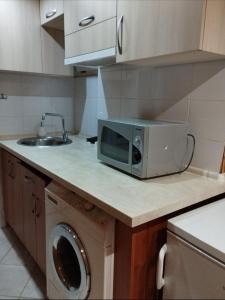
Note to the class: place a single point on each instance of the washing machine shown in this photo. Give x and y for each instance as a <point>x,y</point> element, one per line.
<point>79,247</point>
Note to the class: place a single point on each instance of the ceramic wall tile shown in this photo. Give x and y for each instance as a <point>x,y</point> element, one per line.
<point>13,106</point>
<point>208,81</point>
<point>208,154</point>
<point>108,108</point>
<point>11,125</point>
<point>109,83</point>
<point>173,82</point>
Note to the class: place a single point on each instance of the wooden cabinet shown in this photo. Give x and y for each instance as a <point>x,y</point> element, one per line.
<point>34,215</point>
<point>13,204</point>
<point>24,204</point>
<point>53,53</point>
<point>24,45</point>
<point>136,255</point>
<point>50,9</point>
<point>20,41</point>
<point>96,38</point>
<point>164,32</point>
<point>81,14</point>
<point>90,30</point>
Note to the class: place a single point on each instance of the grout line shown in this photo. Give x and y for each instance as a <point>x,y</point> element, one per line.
<point>5,256</point>
<point>20,295</point>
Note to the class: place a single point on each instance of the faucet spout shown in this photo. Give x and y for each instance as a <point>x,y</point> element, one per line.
<point>65,134</point>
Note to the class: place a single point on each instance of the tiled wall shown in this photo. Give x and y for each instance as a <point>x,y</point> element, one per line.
<point>193,93</point>
<point>29,97</point>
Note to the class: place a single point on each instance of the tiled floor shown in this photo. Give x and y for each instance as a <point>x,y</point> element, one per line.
<point>19,276</point>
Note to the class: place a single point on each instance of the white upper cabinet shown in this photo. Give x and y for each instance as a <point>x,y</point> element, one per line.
<point>20,40</point>
<point>50,10</point>
<point>173,31</point>
<point>90,31</point>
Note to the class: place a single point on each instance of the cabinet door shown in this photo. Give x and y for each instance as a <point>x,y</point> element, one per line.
<point>95,12</point>
<point>154,28</point>
<point>53,55</point>
<point>7,180</point>
<point>12,193</point>
<point>17,199</point>
<point>29,201</point>
<point>20,43</point>
<point>40,223</point>
<point>50,9</point>
<point>95,38</point>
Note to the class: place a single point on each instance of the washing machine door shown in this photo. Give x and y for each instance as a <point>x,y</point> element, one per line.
<point>69,262</point>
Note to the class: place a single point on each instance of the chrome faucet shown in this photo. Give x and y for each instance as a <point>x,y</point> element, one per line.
<point>65,134</point>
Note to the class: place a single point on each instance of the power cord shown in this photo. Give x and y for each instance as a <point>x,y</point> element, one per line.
<point>192,154</point>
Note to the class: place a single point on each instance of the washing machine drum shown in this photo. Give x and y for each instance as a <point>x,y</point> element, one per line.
<point>69,262</point>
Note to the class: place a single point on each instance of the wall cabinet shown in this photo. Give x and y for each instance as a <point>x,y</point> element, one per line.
<point>53,54</point>
<point>20,36</point>
<point>50,10</point>
<point>90,30</point>
<point>161,32</point>
<point>24,205</point>
<point>24,45</point>
<point>81,14</point>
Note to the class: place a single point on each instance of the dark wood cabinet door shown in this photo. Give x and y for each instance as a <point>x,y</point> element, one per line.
<point>17,199</point>
<point>13,204</point>
<point>29,203</point>
<point>8,182</point>
<point>40,223</point>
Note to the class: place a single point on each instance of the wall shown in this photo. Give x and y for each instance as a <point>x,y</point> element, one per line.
<point>31,96</point>
<point>193,93</point>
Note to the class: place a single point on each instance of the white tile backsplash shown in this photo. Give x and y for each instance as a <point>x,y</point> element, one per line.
<point>31,96</point>
<point>193,93</point>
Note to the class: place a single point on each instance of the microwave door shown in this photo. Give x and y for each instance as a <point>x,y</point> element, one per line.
<point>115,145</point>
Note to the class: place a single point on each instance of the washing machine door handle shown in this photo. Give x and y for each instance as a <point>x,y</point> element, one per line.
<point>69,261</point>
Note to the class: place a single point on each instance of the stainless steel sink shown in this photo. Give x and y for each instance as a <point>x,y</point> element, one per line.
<point>47,141</point>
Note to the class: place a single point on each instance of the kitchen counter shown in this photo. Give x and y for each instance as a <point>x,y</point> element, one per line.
<point>130,200</point>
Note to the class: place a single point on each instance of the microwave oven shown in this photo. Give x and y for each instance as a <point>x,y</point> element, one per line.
<point>143,148</point>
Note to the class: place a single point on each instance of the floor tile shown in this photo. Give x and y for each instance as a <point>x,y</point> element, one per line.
<point>18,256</point>
<point>5,246</point>
<point>13,280</point>
<point>35,287</point>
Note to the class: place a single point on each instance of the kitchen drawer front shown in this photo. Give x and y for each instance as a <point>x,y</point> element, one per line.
<point>95,38</point>
<point>95,11</point>
<point>50,9</point>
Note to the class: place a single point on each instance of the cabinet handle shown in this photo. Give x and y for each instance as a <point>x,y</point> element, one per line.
<point>34,203</point>
<point>12,176</point>
<point>86,21</point>
<point>38,209</point>
<point>28,179</point>
<point>50,13</point>
<point>52,200</point>
<point>160,281</point>
<point>120,35</point>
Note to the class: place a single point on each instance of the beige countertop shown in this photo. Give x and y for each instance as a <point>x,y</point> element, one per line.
<point>130,200</point>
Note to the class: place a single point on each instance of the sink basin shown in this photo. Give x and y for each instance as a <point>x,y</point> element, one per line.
<point>47,141</point>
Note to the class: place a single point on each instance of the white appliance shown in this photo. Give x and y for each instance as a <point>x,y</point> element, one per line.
<point>144,148</point>
<point>195,255</point>
<point>79,247</point>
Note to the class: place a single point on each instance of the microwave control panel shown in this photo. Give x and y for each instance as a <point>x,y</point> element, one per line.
<point>137,151</point>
